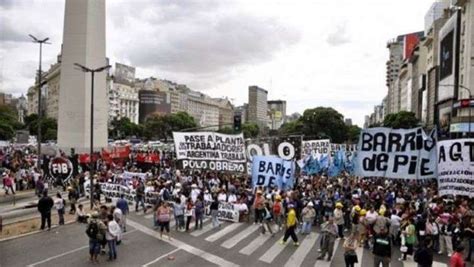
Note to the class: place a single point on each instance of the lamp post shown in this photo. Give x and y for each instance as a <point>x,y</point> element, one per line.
<point>91,164</point>
<point>40,42</point>
<point>470,97</point>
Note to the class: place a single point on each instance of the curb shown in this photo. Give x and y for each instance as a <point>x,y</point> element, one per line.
<point>34,232</point>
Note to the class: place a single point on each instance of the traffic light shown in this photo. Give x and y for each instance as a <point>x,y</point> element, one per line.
<point>237,123</point>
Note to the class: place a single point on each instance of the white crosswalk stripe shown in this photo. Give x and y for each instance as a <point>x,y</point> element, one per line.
<point>206,228</point>
<point>299,255</point>
<point>324,263</point>
<point>148,216</point>
<point>255,244</point>
<point>223,232</point>
<point>273,252</point>
<point>411,263</point>
<point>360,254</point>
<point>231,242</point>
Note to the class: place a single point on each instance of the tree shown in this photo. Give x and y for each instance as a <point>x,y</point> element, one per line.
<point>292,127</point>
<point>401,120</point>
<point>163,126</point>
<point>353,132</point>
<point>123,128</point>
<point>322,122</point>
<point>226,130</point>
<point>250,130</point>
<point>8,122</point>
<point>49,127</point>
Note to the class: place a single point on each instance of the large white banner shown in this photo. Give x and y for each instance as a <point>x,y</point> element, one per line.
<point>315,147</point>
<point>456,167</point>
<point>212,151</point>
<point>396,153</point>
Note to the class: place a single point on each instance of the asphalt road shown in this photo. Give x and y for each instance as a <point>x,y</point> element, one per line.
<point>230,245</point>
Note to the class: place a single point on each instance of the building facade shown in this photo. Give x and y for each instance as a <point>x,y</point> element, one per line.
<point>277,113</point>
<point>258,107</point>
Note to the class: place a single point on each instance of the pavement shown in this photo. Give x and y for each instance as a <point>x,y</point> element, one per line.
<point>232,244</point>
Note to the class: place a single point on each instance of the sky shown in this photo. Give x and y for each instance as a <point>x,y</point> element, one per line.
<point>309,53</point>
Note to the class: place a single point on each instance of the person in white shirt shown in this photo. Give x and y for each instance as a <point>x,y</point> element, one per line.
<point>59,204</point>
<point>231,198</point>
<point>395,226</point>
<point>195,192</point>
<point>222,197</point>
<point>113,231</point>
<point>81,215</point>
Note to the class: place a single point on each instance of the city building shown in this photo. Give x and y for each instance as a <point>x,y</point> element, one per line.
<point>5,99</point>
<point>348,122</point>
<point>123,95</point>
<point>242,111</point>
<point>257,106</point>
<point>277,113</point>
<point>204,110</point>
<point>226,112</point>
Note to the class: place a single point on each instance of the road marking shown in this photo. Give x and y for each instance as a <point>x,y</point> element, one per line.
<point>206,228</point>
<point>360,253</point>
<point>223,232</point>
<point>255,244</point>
<point>298,256</point>
<point>69,252</point>
<point>183,246</point>
<point>325,263</point>
<point>161,257</point>
<point>230,243</point>
<point>149,216</point>
<point>411,263</point>
<point>273,252</point>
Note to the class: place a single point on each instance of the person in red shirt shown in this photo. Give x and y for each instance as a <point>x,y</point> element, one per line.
<point>457,260</point>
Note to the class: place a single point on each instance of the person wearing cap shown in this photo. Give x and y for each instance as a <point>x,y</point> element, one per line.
<point>339,219</point>
<point>291,223</point>
<point>277,210</point>
<point>308,215</point>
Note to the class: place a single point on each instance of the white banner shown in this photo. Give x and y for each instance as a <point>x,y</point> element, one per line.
<point>456,167</point>
<point>315,147</point>
<point>396,153</point>
<point>228,212</point>
<point>209,150</point>
<point>130,175</point>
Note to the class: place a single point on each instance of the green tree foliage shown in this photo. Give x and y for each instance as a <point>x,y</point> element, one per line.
<point>163,126</point>
<point>49,127</point>
<point>226,130</point>
<point>323,122</point>
<point>124,128</point>
<point>353,133</point>
<point>8,122</point>
<point>250,130</point>
<point>292,127</point>
<point>401,120</point>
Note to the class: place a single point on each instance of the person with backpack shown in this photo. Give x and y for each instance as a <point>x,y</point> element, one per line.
<point>267,219</point>
<point>96,232</point>
<point>45,204</point>
<point>424,254</point>
<point>60,205</point>
<point>278,212</point>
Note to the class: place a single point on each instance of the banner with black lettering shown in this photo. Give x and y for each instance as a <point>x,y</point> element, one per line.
<point>315,147</point>
<point>228,212</point>
<point>396,153</point>
<point>272,171</point>
<point>211,151</point>
<point>456,167</point>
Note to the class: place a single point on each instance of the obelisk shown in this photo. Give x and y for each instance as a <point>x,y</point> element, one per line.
<point>83,43</point>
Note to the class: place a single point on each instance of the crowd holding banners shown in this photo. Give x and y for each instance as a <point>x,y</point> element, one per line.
<point>373,209</point>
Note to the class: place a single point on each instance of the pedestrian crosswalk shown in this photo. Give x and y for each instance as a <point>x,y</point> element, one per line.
<point>249,241</point>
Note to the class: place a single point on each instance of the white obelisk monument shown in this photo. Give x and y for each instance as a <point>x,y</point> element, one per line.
<point>83,43</point>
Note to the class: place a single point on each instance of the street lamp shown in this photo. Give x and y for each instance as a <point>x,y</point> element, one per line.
<point>470,97</point>
<point>40,42</point>
<point>91,164</point>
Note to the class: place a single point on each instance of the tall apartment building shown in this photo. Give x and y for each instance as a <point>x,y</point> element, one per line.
<point>394,64</point>
<point>123,95</point>
<point>258,107</point>
<point>277,113</point>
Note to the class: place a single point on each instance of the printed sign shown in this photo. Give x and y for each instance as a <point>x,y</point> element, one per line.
<point>316,147</point>
<point>271,171</point>
<point>386,152</point>
<point>288,148</point>
<point>456,167</point>
<point>228,212</point>
<point>60,168</point>
<point>209,150</point>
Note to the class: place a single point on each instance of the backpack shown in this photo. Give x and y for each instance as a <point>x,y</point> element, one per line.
<point>166,194</point>
<point>277,208</point>
<point>92,230</point>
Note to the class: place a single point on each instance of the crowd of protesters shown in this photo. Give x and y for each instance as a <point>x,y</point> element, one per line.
<point>374,213</point>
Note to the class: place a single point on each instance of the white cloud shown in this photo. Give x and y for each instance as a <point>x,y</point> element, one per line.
<point>311,53</point>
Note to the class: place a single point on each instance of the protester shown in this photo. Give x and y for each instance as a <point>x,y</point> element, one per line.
<point>163,217</point>
<point>214,208</point>
<point>96,232</point>
<point>309,214</point>
<point>457,258</point>
<point>60,205</point>
<point>81,215</point>
<point>329,231</point>
<point>350,245</point>
<point>424,254</point>
<point>291,223</point>
<point>112,235</point>
<point>45,204</point>
<point>73,197</point>
<point>382,250</point>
